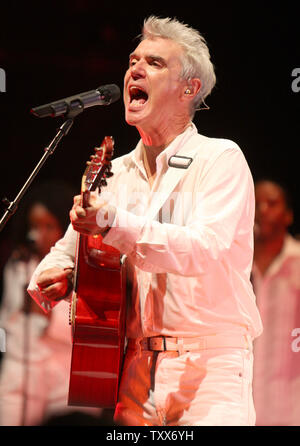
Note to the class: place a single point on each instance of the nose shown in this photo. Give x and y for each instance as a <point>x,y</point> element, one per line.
<point>137,70</point>
<point>261,207</point>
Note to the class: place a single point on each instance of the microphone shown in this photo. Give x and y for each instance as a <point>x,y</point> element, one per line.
<point>105,95</point>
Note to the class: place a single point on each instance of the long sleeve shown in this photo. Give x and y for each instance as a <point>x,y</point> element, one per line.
<point>220,221</point>
<point>188,240</point>
<point>61,255</point>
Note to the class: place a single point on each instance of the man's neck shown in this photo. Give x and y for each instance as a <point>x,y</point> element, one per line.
<point>266,250</point>
<point>155,142</point>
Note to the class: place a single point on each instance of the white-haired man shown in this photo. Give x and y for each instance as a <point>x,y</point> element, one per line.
<point>191,314</point>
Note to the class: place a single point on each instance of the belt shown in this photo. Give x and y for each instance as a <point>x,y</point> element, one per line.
<point>168,343</point>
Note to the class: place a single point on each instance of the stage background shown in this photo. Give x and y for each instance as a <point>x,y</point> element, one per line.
<point>51,50</point>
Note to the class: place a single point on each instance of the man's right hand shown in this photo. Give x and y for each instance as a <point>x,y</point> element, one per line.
<point>55,283</point>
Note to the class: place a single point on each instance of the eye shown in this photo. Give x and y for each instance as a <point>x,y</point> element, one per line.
<point>132,62</point>
<point>155,63</point>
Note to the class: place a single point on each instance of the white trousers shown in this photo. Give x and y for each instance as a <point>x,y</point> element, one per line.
<point>211,387</point>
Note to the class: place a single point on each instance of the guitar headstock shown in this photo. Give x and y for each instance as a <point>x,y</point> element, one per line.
<point>99,166</point>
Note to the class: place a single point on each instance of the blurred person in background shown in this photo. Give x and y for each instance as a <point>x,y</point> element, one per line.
<point>35,371</point>
<point>276,281</point>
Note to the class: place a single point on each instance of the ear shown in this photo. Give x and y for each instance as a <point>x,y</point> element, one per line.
<point>192,88</point>
<point>289,218</point>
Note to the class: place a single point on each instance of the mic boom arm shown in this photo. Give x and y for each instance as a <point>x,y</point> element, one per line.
<point>73,105</point>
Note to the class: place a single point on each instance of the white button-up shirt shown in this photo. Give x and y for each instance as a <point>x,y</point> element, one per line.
<point>276,380</point>
<point>188,239</point>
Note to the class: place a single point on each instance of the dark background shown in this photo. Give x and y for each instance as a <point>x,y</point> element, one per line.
<point>54,49</point>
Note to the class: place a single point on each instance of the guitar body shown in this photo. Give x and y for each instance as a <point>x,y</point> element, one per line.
<point>98,324</point>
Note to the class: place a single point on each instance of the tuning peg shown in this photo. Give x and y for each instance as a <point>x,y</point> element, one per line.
<point>109,174</point>
<point>103,182</point>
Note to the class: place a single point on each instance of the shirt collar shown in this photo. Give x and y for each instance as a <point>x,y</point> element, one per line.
<point>163,158</point>
<point>290,248</point>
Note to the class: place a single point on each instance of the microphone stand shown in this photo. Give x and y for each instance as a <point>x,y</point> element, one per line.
<point>11,206</point>
<point>26,353</point>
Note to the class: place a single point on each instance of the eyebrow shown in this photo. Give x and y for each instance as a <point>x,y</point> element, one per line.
<point>149,56</point>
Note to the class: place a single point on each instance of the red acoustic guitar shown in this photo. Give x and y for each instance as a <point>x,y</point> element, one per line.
<point>97,312</point>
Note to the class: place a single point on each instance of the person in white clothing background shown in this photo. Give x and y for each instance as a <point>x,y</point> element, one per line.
<point>35,368</point>
<point>276,279</point>
<point>180,206</point>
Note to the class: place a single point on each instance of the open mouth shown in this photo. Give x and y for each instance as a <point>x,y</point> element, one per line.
<point>138,97</point>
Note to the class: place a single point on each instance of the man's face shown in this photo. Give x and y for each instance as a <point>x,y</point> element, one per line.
<point>153,87</point>
<point>272,217</point>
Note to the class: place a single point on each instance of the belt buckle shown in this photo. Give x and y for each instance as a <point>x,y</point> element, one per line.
<point>153,343</point>
<point>158,343</point>
<point>164,343</point>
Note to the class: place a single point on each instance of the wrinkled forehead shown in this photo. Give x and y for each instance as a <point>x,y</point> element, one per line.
<point>268,190</point>
<point>164,48</point>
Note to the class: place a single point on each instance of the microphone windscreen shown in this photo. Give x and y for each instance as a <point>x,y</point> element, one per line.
<point>111,92</point>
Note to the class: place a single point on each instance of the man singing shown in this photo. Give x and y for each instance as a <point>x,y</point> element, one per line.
<point>188,240</point>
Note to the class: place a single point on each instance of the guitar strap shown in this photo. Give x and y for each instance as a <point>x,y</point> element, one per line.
<point>179,165</point>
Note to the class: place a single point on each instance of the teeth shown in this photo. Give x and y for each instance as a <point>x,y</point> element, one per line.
<point>137,94</point>
<point>135,90</point>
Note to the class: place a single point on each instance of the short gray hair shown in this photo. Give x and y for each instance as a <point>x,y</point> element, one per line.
<point>196,61</point>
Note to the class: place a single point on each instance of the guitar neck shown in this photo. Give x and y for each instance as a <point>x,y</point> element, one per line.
<point>85,198</point>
